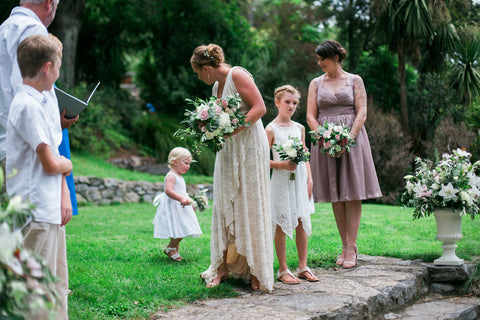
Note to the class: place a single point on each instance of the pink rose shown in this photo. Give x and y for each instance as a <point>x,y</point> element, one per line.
<point>224,103</point>
<point>234,121</point>
<point>327,134</point>
<point>203,114</point>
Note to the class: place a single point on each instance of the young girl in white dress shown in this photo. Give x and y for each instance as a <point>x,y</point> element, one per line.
<point>175,218</point>
<point>292,201</point>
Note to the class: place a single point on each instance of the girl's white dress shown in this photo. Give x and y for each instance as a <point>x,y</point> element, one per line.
<point>241,222</point>
<point>290,200</point>
<point>172,220</point>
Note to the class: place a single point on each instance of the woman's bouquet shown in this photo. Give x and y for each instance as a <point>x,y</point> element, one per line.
<point>200,200</point>
<point>293,150</point>
<point>332,138</point>
<point>212,121</point>
<point>449,182</point>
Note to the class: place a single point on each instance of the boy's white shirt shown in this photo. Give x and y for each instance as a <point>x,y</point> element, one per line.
<point>34,119</point>
<point>21,24</point>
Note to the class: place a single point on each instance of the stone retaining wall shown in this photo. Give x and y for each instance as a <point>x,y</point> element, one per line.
<point>104,191</point>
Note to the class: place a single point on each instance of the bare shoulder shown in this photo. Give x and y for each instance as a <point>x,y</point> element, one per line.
<point>357,79</point>
<point>170,178</point>
<point>241,74</point>
<point>313,82</point>
<point>299,125</point>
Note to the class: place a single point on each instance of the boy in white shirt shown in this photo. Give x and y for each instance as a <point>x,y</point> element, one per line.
<point>33,136</point>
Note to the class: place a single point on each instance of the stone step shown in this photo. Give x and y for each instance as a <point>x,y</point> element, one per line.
<point>378,286</point>
<point>438,307</point>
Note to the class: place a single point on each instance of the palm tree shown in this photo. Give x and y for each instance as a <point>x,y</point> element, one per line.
<point>465,70</point>
<point>409,27</point>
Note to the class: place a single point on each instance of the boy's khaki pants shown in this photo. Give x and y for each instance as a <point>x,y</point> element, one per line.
<point>48,241</point>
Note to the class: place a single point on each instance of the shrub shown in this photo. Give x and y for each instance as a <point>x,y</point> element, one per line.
<point>390,151</point>
<point>103,126</point>
<point>155,132</point>
<point>449,136</point>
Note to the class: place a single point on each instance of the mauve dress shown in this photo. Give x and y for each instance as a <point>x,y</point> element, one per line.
<point>353,175</point>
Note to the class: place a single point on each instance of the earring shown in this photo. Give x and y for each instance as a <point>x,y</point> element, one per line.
<point>208,77</point>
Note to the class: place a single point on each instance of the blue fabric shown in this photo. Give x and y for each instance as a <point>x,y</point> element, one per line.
<point>64,150</point>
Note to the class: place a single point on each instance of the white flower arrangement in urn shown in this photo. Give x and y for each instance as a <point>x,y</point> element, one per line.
<point>450,182</point>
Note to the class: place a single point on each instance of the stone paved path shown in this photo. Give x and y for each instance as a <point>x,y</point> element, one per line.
<point>379,288</point>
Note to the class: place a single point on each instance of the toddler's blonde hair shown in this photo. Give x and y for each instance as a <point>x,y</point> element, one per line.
<point>176,154</point>
<point>278,93</point>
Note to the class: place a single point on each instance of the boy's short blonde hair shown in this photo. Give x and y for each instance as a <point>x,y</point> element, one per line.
<point>58,43</point>
<point>177,153</point>
<point>278,93</point>
<point>34,52</point>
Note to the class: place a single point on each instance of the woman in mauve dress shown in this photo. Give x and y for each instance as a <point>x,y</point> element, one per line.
<point>348,177</point>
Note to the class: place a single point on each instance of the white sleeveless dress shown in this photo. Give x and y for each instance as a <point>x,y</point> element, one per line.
<point>290,200</point>
<point>241,221</point>
<point>173,220</point>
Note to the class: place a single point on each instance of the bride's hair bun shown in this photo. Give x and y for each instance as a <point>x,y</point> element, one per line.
<point>211,55</point>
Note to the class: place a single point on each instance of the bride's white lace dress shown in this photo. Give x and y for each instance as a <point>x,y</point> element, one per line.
<point>241,221</point>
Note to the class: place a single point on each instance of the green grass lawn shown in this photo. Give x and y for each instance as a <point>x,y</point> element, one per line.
<point>117,270</point>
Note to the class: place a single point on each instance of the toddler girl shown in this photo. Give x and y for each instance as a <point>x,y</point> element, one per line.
<point>291,203</point>
<point>175,218</point>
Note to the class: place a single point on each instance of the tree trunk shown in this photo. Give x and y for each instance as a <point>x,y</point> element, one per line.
<point>66,27</point>
<point>402,76</point>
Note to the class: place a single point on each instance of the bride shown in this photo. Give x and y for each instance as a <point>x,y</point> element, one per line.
<point>241,238</point>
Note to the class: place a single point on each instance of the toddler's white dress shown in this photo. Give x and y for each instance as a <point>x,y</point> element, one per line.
<point>290,200</point>
<point>172,220</point>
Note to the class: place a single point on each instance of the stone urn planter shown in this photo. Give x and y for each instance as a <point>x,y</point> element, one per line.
<point>449,231</point>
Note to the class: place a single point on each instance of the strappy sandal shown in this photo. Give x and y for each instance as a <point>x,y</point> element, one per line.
<point>174,257</point>
<point>306,273</point>
<point>280,276</point>
<point>351,256</point>
<point>341,258</point>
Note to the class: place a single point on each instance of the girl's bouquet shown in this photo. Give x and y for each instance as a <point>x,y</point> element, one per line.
<point>200,200</point>
<point>293,150</point>
<point>332,138</point>
<point>212,121</point>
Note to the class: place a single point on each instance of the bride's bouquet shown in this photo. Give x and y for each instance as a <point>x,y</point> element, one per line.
<point>199,200</point>
<point>293,150</point>
<point>332,138</point>
<point>212,121</point>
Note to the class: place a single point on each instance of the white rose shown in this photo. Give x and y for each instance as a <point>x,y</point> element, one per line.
<point>209,135</point>
<point>292,153</point>
<point>464,196</point>
<point>224,120</point>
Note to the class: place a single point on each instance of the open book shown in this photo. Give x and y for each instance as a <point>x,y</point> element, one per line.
<point>73,105</point>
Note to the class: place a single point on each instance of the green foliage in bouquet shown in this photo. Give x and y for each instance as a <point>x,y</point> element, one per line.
<point>332,138</point>
<point>200,200</point>
<point>212,121</point>
<point>293,150</point>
